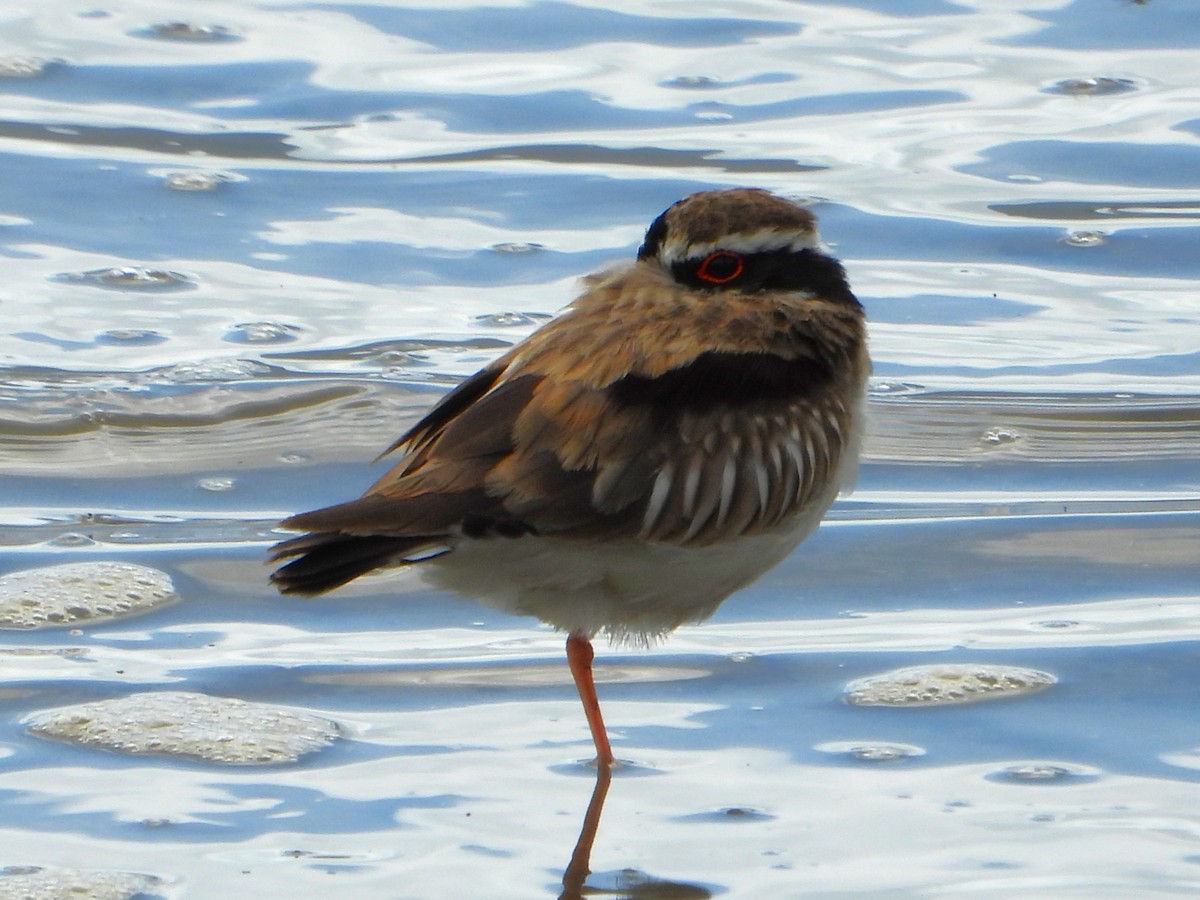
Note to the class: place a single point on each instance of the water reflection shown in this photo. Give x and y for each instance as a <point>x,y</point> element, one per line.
<point>577,880</point>
<point>578,868</point>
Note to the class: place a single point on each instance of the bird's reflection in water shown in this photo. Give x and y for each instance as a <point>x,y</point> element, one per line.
<point>577,869</point>
<point>628,883</point>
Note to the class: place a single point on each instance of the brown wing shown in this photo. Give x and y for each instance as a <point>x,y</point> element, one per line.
<point>350,539</point>
<point>727,441</point>
<point>537,457</point>
<point>427,497</point>
<point>533,456</point>
<point>445,410</point>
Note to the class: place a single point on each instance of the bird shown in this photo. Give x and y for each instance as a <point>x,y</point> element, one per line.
<point>669,437</point>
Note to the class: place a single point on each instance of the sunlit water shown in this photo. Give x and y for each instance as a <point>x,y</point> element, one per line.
<point>244,245</point>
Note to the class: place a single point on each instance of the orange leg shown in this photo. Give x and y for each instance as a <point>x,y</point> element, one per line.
<point>579,657</point>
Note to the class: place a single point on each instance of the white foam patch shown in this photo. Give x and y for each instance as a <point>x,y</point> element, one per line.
<point>37,883</point>
<point>943,685</point>
<point>196,726</point>
<point>78,593</point>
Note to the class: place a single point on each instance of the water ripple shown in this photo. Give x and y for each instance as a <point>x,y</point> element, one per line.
<point>366,203</point>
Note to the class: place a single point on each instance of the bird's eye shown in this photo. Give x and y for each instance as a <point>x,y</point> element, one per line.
<point>721,267</point>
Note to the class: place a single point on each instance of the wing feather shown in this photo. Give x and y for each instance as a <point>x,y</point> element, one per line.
<point>750,472</point>
<point>729,484</point>
<point>446,409</point>
<point>761,475</point>
<point>663,484</point>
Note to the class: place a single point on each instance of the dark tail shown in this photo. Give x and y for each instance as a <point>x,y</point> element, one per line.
<point>329,560</point>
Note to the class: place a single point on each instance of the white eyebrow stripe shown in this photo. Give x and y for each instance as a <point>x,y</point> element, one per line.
<point>763,241</point>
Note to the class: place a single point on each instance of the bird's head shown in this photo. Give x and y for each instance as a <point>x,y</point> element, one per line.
<point>742,240</point>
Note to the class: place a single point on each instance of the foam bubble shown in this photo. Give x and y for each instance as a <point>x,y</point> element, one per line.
<point>941,685</point>
<point>196,726</point>
<point>1044,773</point>
<point>139,278</point>
<point>80,592</point>
<point>38,883</point>
<point>871,751</point>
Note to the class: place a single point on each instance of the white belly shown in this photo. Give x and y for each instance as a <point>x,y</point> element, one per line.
<point>633,590</point>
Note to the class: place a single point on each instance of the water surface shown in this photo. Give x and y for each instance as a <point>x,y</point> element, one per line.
<point>245,245</point>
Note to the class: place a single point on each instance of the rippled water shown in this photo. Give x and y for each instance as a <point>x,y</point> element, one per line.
<point>245,244</point>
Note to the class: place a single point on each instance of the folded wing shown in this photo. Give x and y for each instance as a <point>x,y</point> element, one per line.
<point>721,445</point>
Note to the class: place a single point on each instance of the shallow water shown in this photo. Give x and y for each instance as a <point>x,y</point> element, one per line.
<point>241,253</point>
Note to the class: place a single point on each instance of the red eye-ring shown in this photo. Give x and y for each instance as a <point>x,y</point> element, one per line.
<point>721,267</point>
